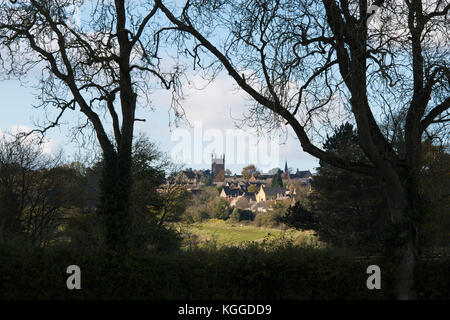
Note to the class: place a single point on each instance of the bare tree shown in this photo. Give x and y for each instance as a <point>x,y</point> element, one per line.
<point>103,68</point>
<point>312,63</point>
<point>31,202</point>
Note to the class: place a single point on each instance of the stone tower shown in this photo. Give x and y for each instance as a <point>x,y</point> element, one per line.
<point>217,164</point>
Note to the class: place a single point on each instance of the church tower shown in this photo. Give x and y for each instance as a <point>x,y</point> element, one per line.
<point>217,164</point>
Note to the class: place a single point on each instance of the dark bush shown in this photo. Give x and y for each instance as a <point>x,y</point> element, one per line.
<point>238,215</point>
<point>256,271</point>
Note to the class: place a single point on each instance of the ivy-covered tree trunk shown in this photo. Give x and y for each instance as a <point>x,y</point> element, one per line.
<point>406,209</point>
<point>115,188</point>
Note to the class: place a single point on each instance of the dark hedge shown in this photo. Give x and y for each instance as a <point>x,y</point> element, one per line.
<point>247,272</point>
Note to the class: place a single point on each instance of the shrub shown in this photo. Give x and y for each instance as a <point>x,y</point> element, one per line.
<point>222,209</point>
<point>271,270</point>
<point>241,215</point>
<point>266,219</point>
<point>298,217</point>
<point>235,216</point>
<point>201,215</point>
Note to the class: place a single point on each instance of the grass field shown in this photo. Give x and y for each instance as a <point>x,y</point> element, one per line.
<point>225,233</point>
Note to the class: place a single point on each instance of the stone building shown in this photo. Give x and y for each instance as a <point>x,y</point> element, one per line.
<point>217,164</point>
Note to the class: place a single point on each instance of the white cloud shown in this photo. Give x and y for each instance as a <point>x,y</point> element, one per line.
<point>49,146</point>
<point>212,104</point>
<point>210,111</point>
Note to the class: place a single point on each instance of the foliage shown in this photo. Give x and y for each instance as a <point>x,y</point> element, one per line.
<point>299,218</point>
<point>271,217</point>
<point>277,180</point>
<point>273,269</point>
<point>175,201</point>
<point>298,189</point>
<point>207,179</point>
<point>149,167</point>
<point>253,188</point>
<point>241,215</point>
<point>265,219</point>
<point>33,190</point>
<point>82,229</point>
<point>219,189</point>
<point>350,209</point>
<point>201,205</point>
<point>220,177</point>
<point>222,209</point>
<point>435,186</point>
<point>235,216</point>
<point>249,171</point>
<point>279,208</point>
<point>294,59</point>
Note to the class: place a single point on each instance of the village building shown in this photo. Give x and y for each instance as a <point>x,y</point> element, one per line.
<point>259,207</point>
<point>253,194</point>
<point>286,171</point>
<point>272,193</point>
<point>303,176</point>
<point>217,164</point>
<point>242,202</point>
<point>228,192</point>
<point>188,177</point>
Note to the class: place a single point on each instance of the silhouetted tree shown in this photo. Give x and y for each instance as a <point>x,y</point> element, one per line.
<point>103,67</point>
<point>350,208</point>
<point>298,217</point>
<point>32,195</point>
<point>311,63</point>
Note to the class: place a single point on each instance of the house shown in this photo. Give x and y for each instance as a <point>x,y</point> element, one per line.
<point>251,196</point>
<point>189,176</point>
<point>241,202</point>
<point>272,193</point>
<point>256,185</point>
<point>228,192</point>
<point>259,207</point>
<point>236,185</point>
<point>302,175</point>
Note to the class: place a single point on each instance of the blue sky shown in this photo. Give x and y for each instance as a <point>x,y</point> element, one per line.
<point>211,109</point>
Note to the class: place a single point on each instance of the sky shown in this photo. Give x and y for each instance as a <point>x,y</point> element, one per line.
<point>210,128</point>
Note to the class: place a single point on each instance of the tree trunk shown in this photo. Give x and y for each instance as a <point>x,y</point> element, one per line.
<point>405,246</point>
<point>115,199</point>
<point>405,286</point>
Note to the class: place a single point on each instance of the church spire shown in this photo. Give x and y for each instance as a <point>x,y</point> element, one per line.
<point>286,171</point>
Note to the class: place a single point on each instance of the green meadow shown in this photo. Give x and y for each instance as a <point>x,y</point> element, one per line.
<point>225,233</point>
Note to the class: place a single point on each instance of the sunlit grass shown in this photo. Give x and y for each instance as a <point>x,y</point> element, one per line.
<point>227,233</point>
